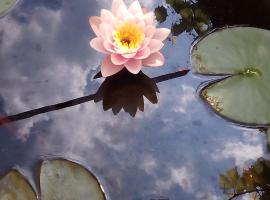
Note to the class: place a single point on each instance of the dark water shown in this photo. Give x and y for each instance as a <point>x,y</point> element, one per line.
<point>174,150</point>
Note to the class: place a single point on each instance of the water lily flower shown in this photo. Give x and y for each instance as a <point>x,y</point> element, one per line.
<point>128,37</point>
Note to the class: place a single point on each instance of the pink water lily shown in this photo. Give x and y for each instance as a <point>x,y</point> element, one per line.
<point>128,37</point>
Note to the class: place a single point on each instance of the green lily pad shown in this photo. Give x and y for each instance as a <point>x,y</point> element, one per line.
<point>14,186</point>
<point>6,5</point>
<point>241,53</point>
<point>62,179</point>
<point>59,179</point>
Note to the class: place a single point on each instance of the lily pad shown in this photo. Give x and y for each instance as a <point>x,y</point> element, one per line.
<point>242,54</point>
<point>6,5</point>
<point>62,179</point>
<point>59,179</point>
<point>14,186</point>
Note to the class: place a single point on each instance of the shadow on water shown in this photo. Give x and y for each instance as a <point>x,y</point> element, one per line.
<point>127,91</point>
<point>123,90</point>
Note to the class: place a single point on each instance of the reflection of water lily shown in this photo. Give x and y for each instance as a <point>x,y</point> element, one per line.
<point>128,37</point>
<point>127,91</point>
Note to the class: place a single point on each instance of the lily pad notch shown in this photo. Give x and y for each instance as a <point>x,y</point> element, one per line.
<point>240,56</point>
<point>59,179</point>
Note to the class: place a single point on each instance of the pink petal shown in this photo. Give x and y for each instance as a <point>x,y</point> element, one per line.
<point>94,23</point>
<point>150,31</point>
<point>145,43</point>
<point>106,31</point>
<point>116,4</point>
<point>108,68</point>
<point>107,16</point>
<point>122,12</point>
<point>134,66</point>
<point>142,26</point>
<point>135,8</point>
<point>129,17</point>
<point>161,34</point>
<point>108,46</point>
<point>142,54</point>
<point>117,59</point>
<point>129,55</point>
<point>154,60</point>
<point>97,44</point>
<point>155,45</point>
<point>124,52</point>
<point>134,19</point>
<point>140,17</point>
<point>149,18</point>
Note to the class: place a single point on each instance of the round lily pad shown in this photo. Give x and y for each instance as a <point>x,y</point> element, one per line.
<point>6,5</point>
<point>62,179</point>
<point>14,186</point>
<point>243,54</point>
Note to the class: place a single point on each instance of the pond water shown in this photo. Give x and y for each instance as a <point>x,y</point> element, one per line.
<point>175,149</point>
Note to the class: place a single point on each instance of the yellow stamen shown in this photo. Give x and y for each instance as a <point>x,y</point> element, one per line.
<point>128,36</point>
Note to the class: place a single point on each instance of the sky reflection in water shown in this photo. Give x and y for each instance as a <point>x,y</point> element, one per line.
<point>174,149</point>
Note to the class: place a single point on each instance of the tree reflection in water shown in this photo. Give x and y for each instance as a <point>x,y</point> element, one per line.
<point>254,181</point>
<point>198,17</point>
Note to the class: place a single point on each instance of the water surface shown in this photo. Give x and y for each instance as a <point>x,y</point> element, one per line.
<point>174,150</point>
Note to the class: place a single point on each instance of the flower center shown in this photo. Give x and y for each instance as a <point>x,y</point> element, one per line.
<point>128,36</point>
